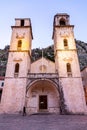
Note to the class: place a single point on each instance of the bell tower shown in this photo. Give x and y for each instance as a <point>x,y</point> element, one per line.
<point>67,64</point>
<point>13,97</point>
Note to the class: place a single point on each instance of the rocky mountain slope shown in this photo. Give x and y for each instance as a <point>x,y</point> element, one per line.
<point>47,52</point>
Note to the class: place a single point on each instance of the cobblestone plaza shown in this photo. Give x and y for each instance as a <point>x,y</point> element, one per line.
<point>43,122</point>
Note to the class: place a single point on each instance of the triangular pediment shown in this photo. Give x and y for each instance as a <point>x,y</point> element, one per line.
<point>43,65</point>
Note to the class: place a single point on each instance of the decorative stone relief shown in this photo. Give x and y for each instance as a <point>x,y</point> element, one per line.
<point>20,36</point>
<point>67,59</point>
<point>17,60</point>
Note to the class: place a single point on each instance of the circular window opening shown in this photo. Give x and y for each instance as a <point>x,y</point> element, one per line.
<point>43,68</point>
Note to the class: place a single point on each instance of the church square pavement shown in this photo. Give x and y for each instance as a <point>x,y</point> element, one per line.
<point>43,122</point>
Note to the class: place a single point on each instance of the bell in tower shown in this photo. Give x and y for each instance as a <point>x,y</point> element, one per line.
<point>61,20</point>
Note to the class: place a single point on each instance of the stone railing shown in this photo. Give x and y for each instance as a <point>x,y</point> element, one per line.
<point>42,75</point>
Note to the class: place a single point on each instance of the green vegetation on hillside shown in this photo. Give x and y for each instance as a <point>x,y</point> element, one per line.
<point>47,52</point>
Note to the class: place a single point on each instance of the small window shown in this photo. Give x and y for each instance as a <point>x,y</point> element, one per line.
<point>65,44</point>
<point>69,72</point>
<point>2,84</point>
<point>62,22</point>
<point>16,70</point>
<point>0,94</point>
<point>19,45</point>
<point>22,22</point>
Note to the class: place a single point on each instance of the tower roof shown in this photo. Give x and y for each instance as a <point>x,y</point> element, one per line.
<point>62,14</point>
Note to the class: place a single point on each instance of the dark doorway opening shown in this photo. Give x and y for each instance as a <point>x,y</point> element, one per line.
<point>43,102</point>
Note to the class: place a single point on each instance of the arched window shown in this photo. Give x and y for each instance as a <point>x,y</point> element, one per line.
<point>16,70</point>
<point>69,71</point>
<point>62,22</point>
<point>65,43</point>
<point>19,45</point>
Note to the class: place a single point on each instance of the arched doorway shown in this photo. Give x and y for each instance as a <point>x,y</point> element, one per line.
<point>42,96</point>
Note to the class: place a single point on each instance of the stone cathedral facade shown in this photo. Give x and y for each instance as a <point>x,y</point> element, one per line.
<point>43,86</point>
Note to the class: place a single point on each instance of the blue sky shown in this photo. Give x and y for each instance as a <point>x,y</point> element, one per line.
<point>41,13</point>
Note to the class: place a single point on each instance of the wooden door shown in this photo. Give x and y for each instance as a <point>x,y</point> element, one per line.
<point>42,102</point>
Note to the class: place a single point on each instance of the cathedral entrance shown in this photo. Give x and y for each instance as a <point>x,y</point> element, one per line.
<point>43,102</point>
<point>42,96</point>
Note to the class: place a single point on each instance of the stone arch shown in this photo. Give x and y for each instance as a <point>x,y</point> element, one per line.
<point>38,89</point>
<point>31,82</point>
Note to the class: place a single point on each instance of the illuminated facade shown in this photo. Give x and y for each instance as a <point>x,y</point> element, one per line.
<point>43,86</point>
<point>67,65</point>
